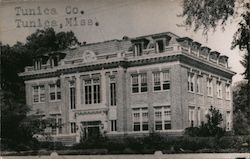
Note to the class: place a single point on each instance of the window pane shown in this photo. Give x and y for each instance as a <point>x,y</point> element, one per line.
<point>144,82</point>
<point>52,96</point>
<point>135,84</point>
<point>137,126</point>
<point>157,81</point>
<point>158,125</point>
<point>145,126</point>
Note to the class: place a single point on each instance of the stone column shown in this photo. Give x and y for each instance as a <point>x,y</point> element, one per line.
<point>103,88</point>
<point>78,92</point>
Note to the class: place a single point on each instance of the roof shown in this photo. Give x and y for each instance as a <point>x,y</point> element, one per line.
<point>110,46</point>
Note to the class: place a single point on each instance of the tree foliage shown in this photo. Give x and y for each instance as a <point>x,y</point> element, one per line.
<point>210,128</point>
<point>207,14</point>
<point>240,100</point>
<point>14,58</point>
<point>210,14</point>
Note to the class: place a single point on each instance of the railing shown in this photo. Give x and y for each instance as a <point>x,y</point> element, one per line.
<point>130,54</point>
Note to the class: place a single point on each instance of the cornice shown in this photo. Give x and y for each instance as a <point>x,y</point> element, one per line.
<point>131,62</point>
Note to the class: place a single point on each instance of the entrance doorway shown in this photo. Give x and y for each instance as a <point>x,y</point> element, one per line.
<point>91,129</point>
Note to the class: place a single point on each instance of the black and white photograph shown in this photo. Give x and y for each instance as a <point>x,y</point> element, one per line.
<point>125,79</point>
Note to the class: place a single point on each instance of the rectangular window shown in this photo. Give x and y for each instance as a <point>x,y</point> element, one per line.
<point>92,89</point>
<point>39,94</point>
<point>72,127</point>
<point>144,83</point>
<point>209,87</point>
<point>72,95</point>
<point>140,119</point>
<point>165,80</point>
<point>55,92</point>
<point>162,118</point>
<point>191,118</point>
<point>219,89</point>
<point>198,84</point>
<point>228,94</point>
<point>139,83</point>
<point>157,81</point>
<point>42,93</point>
<point>88,92</point>
<point>112,89</point>
<point>36,94</point>
<point>159,46</point>
<point>190,82</point>
<point>97,92</point>
<point>53,126</point>
<point>161,80</point>
<point>138,49</point>
<point>135,83</point>
<point>113,124</point>
<point>199,116</point>
<point>59,125</point>
<point>228,121</point>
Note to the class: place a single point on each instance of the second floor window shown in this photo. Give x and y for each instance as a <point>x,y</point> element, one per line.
<point>72,95</point>
<point>55,92</point>
<point>219,89</point>
<point>190,82</point>
<point>139,83</point>
<point>228,94</point>
<point>209,87</point>
<point>92,91</point>
<point>161,80</point>
<point>112,90</point>
<point>38,94</point>
<point>198,84</point>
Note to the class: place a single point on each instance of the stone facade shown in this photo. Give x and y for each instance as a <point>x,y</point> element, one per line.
<point>159,82</point>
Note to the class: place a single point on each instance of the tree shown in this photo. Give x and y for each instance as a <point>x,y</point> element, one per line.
<point>14,58</point>
<point>211,127</point>
<point>48,40</point>
<point>240,108</point>
<point>209,14</point>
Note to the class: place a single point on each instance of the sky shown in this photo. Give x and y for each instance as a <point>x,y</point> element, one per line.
<point>101,20</point>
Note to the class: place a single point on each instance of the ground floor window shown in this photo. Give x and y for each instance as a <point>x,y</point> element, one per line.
<point>140,119</point>
<point>162,118</point>
<point>191,116</point>
<point>113,125</point>
<point>73,127</point>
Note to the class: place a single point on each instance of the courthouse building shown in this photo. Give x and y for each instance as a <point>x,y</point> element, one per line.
<point>153,83</point>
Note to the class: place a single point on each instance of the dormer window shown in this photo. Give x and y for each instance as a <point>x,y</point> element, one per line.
<point>223,60</point>
<point>138,49</point>
<point>204,52</point>
<point>54,61</point>
<point>214,56</point>
<point>37,64</point>
<point>159,46</point>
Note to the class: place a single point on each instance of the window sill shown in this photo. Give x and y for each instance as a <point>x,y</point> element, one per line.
<point>135,132</point>
<point>38,102</point>
<point>52,101</point>
<point>191,92</point>
<point>210,96</point>
<point>139,93</point>
<point>161,91</point>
